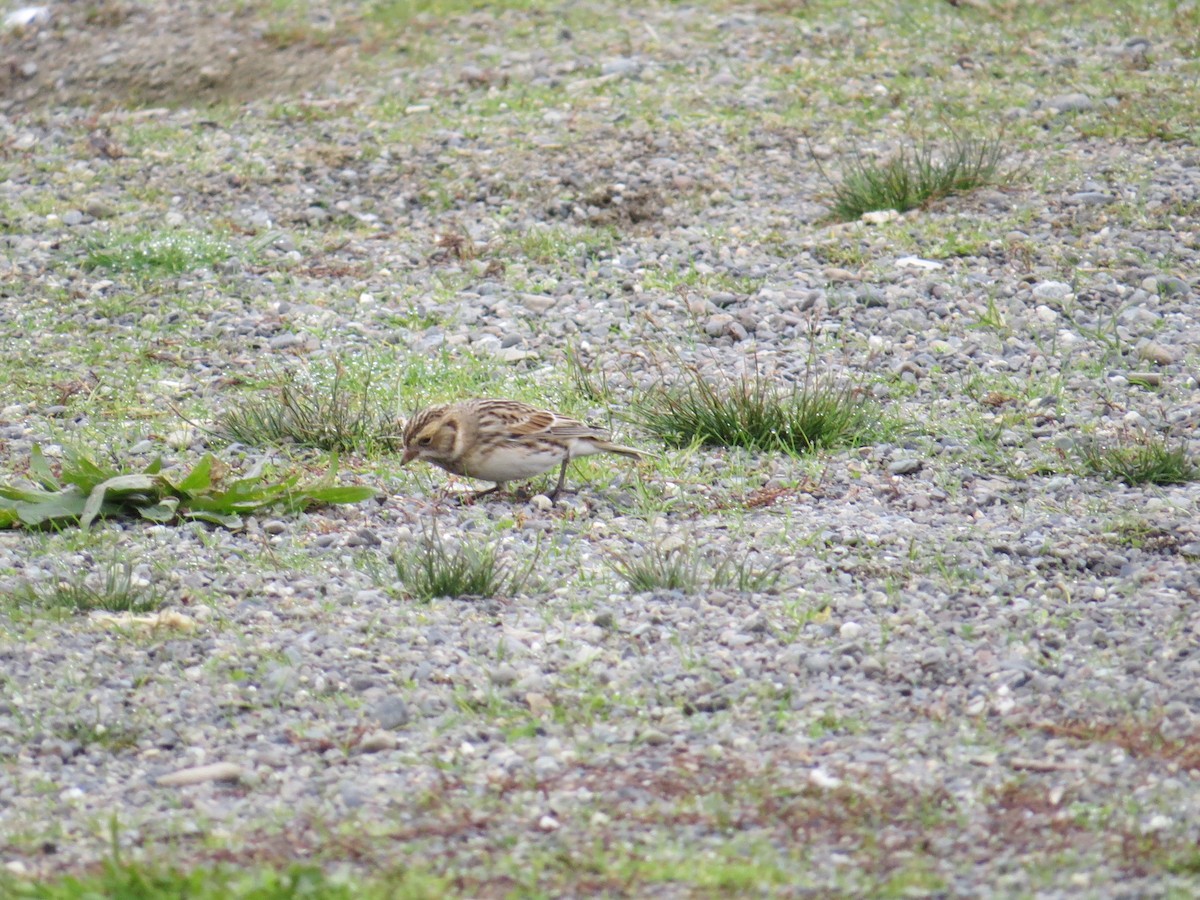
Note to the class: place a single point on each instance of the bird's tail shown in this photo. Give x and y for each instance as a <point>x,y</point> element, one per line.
<point>609,447</point>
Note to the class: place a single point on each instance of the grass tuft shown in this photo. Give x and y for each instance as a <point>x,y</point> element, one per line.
<point>916,177</point>
<point>431,569</point>
<point>111,587</point>
<point>138,881</point>
<point>687,570</point>
<point>156,253</point>
<point>1146,460</point>
<point>342,415</point>
<point>753,413</point>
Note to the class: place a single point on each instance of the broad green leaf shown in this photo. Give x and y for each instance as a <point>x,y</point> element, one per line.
<point>28,495</point>
<point>66,504</point>
<point>155,466</point>
<point>107,496</point>
<point>82,472</point>
<point>40,469</point>
<point>162,511</point>
<point>130,484</point>
<point>91,507</point>
<point>200,478</point>
<point>253,487</point>
<point>346,494</point>
<point>9,517</point>
<point>229,521</point>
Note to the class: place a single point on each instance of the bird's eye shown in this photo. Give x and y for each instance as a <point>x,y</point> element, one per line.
<point>424,442</point>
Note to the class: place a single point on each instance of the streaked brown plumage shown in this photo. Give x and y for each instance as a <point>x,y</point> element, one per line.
<point>502,441</point>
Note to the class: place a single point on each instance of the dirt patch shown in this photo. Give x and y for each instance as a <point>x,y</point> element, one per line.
<point>108,55</point>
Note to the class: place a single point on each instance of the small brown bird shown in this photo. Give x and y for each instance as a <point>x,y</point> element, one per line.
<point>502,441</point>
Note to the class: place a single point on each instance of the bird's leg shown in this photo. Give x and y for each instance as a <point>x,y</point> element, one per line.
<point>562,479</point>
<point>499,486</point>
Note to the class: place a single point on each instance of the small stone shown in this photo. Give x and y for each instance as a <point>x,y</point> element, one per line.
<point>504,675</point>
<point>181,438</point>
<point>1091,198</point>
<point>654,737</point>
<point>274,526</point>
<point>377,741</point>
<point>905,466</point>
<point>1146,379</point>
<point>26,16</point>
<point>850,631</point>
<point>833,273</point>
<point>391,713</point>
<point>1157,353</point>
<point>822,779</point>
<point>621,65</point>
<point>364,537</point>
<point>73,217</point>
<point>513,355</point>
<point>915,262</point>
<point>221,771</point>
<point>671,543</point>
<point>99,209</point>
<point>541,503</point>
<point>716,325</point>
<point>817,662</point>
<point>284,341</point>
<point>879,216</point>
<point>537,303</point>
<point>1066,103</point>
<point>1052,290</point>
<point>1157,822</point>
<point>1173,287</point>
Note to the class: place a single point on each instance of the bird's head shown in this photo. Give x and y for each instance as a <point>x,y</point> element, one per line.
<point>431,435</point>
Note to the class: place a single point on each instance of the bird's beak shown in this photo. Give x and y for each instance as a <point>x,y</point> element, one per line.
<point>410,453</point>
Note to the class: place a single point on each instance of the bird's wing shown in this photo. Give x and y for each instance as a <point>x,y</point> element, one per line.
<point>564,427</point>
<point>521,419</point>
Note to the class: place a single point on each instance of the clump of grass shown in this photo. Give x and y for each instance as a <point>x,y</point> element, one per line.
<point>687,570</point>
<point>110,587</point>
<point>157,252</point>
<point>584,381</point>
<point>754,413</point>
<point>431,569</point>
<point>1146,460</point>
<point>341,415</point>
<point>919,175</point>
<point>660,570</point>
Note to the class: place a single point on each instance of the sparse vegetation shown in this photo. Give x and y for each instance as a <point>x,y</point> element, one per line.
<point>755,413</point>
<point>331,213</point>
<point>338,414</point>
<point>109,586</point>
<point>1140,460</point>
<point>138,881</point>
<point>916,176</point>
<point>688,570</point>
<point>155,253</point>
<point>432,568</point>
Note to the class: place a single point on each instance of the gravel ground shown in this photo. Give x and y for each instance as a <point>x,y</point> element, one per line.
<point>980,676</point>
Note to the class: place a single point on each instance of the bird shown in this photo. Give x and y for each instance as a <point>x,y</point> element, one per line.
<point>502,440</point>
